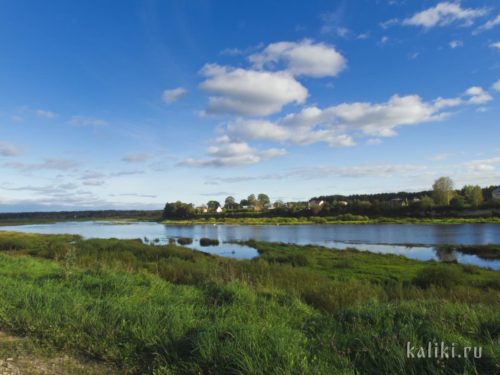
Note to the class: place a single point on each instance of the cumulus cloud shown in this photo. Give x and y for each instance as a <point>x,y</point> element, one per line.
<point>170,96</point>
<point>482,165</point>
<point>477,95</point>
<point>250,92</point>
<point>496,85</point>
<point>226,153</point>
<point>303,58</point>
<point>455,44</point>
<point>135,158</point>
<point>340,125</point>
<point>444,14</point>
<point>488,25</point>
<point>495,45</point>
<point>7,149</point>
<point>337,125</point>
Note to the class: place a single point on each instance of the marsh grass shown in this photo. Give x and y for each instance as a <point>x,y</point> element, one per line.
<point>294,310</point>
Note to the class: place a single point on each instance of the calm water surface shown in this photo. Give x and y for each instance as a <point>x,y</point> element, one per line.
<point>410,240</point>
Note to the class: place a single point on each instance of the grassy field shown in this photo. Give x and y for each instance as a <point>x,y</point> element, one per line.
<point>344,219</point>
<point>145,309</point>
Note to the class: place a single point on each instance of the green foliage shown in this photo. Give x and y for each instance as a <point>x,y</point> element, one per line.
<point>457,201</point>
<point>263,199</point>
<point>208,242</point>
<point>293,310</point>
<point>184,241</point>
<point>213,205</point>
<point>442,191</point>
<point>178,210</point>
<point>473,195</point>
<point>441,276</point>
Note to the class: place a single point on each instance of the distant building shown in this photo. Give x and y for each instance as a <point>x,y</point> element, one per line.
<point>495,194</point>
<point>218,210</point>
<point>343,203</point>
<point>398,202</point>
<point>315,203</point>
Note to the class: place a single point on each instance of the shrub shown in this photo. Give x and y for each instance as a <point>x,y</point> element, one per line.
<point>184,241</point>
<point>441,276</point>
<point>209,242</point>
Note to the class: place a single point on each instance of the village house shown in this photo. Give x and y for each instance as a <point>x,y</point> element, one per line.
<point>315,203</point>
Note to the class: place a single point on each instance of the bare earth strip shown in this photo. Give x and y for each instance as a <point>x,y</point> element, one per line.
<point>18,356</point>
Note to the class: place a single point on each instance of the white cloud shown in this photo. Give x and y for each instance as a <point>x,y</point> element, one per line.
<point>444,14</point>
<point>384,40</point>
<point>389,23</point>
<point>87,121</point>
<point>170,96</point>
<point>250,92</point>
<point>496,85</point>
<point>341,124</point>
<point>7,149</point>
<point>441,157</point>
<point>135,158</point>
<point>93,183</point>
<point>455,44</point>
<point>48,164</point>
<point>488,25</point>
<point>47,115</point>
<point>374,141</point>
<point>358,171</point>
<point>304,58</point>
<point>226,153</point>
<point>477,95</point>
<point>495,45</point>
<point>482,165</point>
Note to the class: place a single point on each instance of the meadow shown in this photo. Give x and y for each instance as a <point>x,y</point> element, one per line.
<point>145,309</point>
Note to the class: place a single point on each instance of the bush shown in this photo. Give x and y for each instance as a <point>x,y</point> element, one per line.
<point>441,276</point>
<point>209,242</point>
<point>184,241</point>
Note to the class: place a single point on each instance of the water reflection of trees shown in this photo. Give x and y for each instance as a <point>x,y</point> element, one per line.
<point>446,255</point>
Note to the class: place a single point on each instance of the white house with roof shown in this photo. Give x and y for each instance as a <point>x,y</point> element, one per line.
<point>315,203</point>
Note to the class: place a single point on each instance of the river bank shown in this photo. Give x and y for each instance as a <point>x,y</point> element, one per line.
<point>167,309</point>
<point>329,220</point>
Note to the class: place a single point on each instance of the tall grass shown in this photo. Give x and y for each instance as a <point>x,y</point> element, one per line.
<point>294,310</point>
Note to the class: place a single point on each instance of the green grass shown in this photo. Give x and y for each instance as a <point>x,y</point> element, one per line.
<point>294,310</point>
<point>342,219</point>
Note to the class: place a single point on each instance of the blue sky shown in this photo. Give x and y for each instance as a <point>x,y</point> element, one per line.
<point>130,104</point>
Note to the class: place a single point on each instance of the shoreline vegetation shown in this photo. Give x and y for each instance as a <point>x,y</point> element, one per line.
<point>352,219</point>
<point>294,309</point>
<point>442,205</point>
<point>258,220</point>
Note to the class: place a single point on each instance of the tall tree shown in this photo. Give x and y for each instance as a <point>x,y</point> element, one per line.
<point>213,205</point>
<point>252,201</point>
<point>442,191</point>
<point>230,203</point>
<point>473,195</point>
<point>263,199</point>
<point>178,210</point>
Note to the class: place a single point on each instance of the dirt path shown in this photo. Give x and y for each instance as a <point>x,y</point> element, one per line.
<point>19,356</point>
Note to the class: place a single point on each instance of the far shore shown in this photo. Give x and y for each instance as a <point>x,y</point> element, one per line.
<point>313,220</point>
<point>329,220</point>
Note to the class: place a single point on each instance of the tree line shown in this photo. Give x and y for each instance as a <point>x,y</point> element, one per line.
<point>443,199</point>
